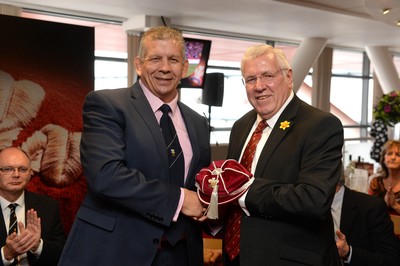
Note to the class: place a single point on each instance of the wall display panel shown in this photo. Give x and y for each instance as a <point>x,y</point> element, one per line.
<point>197,52</point>
<point>46,70</point>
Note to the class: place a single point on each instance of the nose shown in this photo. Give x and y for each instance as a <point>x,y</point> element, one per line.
<point>165,64</point>
<point>16,171</point>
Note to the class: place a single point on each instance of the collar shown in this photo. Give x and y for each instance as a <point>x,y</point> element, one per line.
<point>155,102</point>
<point>20,201</point>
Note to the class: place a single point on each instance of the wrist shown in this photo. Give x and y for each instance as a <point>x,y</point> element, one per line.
<point>346,257</point>
<point>36,246</point>
<point>7,254</point>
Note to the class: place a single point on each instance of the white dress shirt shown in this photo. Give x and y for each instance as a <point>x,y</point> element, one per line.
<point>20,212</point>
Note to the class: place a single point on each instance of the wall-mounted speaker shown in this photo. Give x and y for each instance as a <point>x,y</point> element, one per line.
<point>213,91</point>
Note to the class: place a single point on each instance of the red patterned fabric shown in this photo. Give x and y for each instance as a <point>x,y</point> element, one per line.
<point>232,231</point>
<point>42,91</point>
<point>233,180</point>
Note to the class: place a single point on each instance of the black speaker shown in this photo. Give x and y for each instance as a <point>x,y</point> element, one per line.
<point>213,91</point>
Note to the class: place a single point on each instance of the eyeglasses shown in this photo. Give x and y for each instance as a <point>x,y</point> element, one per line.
<point>266,77</point>
<point>8,170</point>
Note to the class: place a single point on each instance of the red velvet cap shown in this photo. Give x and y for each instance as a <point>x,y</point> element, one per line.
<point>232,180</point>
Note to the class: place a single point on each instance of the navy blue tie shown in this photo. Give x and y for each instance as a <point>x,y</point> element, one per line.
<point>13,227</point>
<point>174,150</point>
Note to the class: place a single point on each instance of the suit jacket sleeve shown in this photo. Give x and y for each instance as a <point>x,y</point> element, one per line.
<point>369,230</point>
<point>52,234</point>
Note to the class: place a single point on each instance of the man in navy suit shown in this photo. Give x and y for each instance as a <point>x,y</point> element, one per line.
<point>364,231</point>
<point>133,205</point>
<point>39,238</point>
<point>286,217</point>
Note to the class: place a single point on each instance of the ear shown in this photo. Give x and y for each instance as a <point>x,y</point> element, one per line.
<point>138,65</point>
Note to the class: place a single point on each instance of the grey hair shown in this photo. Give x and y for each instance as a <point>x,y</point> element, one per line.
<point>256,51</point>
<point>161,33</point>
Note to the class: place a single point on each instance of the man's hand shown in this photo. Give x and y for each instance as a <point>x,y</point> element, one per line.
<point>341,244</point>
<point>34,225</point>
<point>28,238</point>
<point>192,206</point>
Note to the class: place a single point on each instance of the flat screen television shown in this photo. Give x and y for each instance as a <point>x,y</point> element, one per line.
<point>197,52</point>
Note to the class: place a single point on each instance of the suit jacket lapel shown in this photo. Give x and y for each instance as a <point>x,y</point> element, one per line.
<point>243,136</point>
<point>142,106</point>
<point>278,134</point>
<point>3,229</point>
<point>349,211</point>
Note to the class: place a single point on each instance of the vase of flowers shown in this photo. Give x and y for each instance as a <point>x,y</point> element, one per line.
<point>387,117</point>
<point>387,109</point>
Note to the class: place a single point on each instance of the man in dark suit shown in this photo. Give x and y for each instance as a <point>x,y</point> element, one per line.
<point>286,218</point>
<point>38,238</point>
<point>134,209</point>
<point>364,230</point>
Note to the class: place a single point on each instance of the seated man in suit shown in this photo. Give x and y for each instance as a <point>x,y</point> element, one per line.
<point>364,231</point>
<point>31,231</point>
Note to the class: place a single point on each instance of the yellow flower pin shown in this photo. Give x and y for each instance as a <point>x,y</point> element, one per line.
<point>284,125</point>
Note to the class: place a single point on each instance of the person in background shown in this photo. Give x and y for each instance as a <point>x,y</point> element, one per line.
<point>286,217</point>
<point>136,212</point>
<point>386,184</point>
<point>212,257</point>
<point>363,228</point>
<point>38,238</point>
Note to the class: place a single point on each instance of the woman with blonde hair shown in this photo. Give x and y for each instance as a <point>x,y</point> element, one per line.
<point>387,183</point>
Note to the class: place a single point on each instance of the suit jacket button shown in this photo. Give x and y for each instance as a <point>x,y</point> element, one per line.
<point>156,241</point>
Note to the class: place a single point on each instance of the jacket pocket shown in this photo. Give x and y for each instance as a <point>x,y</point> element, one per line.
<point>98,219</point>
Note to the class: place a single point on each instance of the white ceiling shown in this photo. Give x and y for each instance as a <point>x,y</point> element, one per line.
<point>344,23</point>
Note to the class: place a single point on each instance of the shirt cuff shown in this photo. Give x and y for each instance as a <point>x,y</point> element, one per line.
<point>39,250</point>
<point>180,204</point>
<point>242,204</point>
<point>347,258</point>
<point>5,261</point>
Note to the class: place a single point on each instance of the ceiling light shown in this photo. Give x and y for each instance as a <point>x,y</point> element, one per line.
<point>398,23</point>
<point>385,11</point>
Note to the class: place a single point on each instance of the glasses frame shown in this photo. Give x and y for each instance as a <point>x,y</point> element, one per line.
<point>265,77</point>
<point>8,170</point>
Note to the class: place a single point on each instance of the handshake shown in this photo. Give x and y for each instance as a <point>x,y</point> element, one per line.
<point>220,183</point>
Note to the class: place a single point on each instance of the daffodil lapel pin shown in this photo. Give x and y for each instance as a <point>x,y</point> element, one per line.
<point>284,125</point>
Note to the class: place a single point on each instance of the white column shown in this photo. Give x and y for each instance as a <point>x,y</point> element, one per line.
<point>321,85</point>
<point>305,56</point>
<point>384,68</point>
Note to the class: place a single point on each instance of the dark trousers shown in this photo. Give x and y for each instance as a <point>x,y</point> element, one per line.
<point>227,262</point>
<point>172,256</point>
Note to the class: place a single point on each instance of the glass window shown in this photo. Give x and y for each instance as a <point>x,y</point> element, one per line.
<point>345,62</point>
<point>110,74</point>
<point>350,104</point>
<point>396,59</point>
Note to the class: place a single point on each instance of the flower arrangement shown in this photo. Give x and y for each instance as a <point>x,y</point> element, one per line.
<point>387,109</point>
